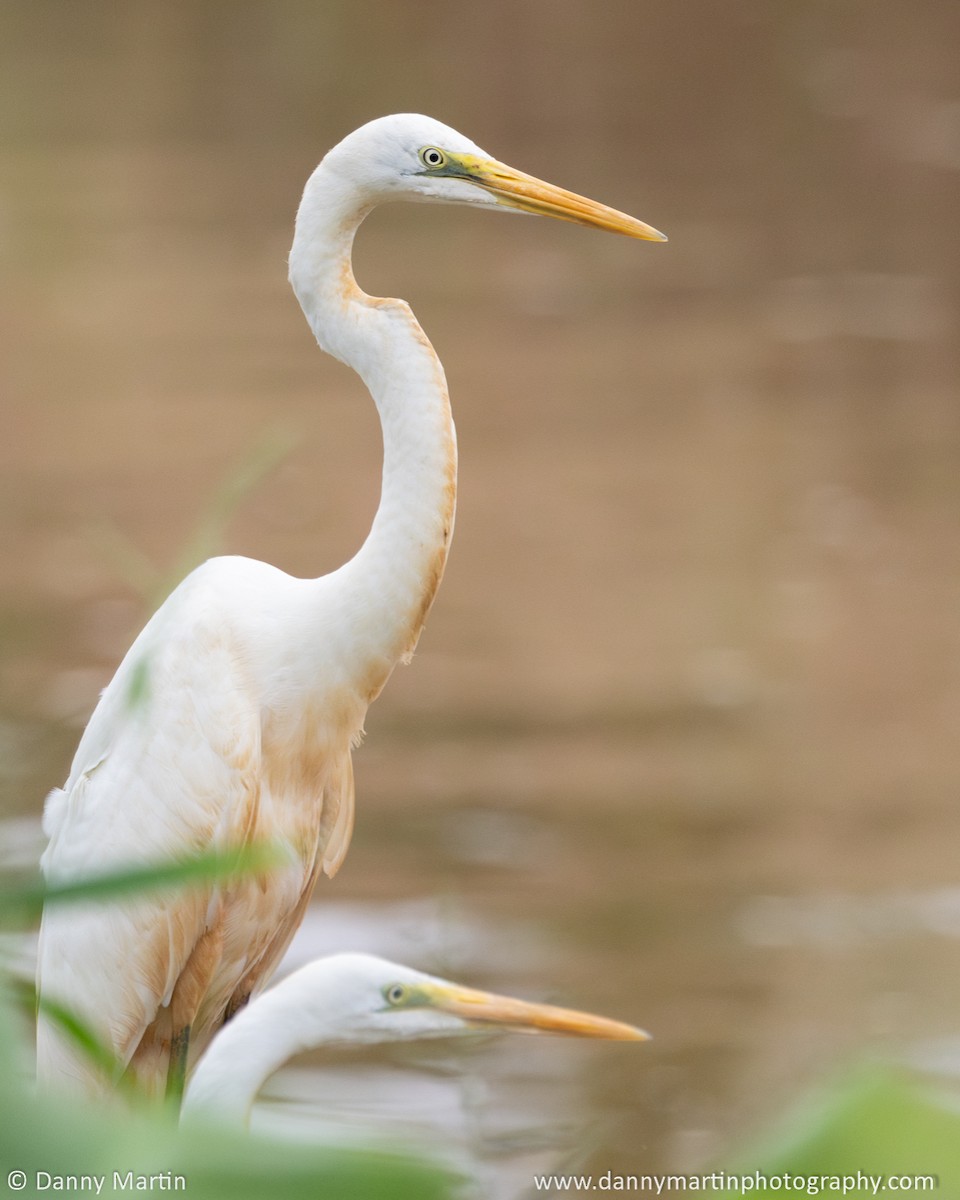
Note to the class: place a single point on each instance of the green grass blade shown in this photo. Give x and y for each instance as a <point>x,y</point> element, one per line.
<point>24,901</point>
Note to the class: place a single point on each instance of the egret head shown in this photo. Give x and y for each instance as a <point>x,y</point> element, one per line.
<point>362,998</point>
<point>411,157</point>
<point>355,999</point>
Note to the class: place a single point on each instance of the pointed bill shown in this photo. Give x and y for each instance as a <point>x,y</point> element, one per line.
<point>515,189</point>
<point>486,1008</point>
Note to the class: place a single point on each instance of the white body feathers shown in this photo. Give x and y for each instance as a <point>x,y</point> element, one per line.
<point>233,714</point>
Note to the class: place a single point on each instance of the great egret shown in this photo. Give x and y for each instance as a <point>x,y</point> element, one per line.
<point>232,716</point>
<point>358,999</point>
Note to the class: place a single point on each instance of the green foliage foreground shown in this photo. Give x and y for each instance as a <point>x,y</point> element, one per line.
<point>50,1147</point>
<point>873,1131</point>
<point>47,1140</point>
<point>873,1122</point>
<point>43,1139</point>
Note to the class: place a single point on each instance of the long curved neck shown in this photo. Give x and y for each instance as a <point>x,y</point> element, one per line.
<point>384,593</point>
<point>243,1056</point>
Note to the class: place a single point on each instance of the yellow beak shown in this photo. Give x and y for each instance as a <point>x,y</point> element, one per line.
<point>516,190</point>
<point>485,1008</point>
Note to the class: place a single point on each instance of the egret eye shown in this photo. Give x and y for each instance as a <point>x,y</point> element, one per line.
<point>432,158</point>
<point>396,993</point>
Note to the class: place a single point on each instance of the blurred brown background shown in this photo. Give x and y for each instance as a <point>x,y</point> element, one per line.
<point>680,741</point>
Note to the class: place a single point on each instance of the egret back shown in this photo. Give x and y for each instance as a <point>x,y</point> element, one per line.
<point>172,764</point>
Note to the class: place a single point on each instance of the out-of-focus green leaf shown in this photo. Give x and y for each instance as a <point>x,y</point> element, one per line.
<point>82,1035</point>
<point>153,583</point>
<point>208,536</point>
<point>873,1122</point>
<point>22,902</point>
<point>48,1139</point>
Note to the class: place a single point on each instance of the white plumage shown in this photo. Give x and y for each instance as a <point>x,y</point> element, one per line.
<point>233,715</point>
<point>360,999</point>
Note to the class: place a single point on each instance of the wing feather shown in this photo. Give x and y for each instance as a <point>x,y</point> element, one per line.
<point>169,765</point>
<point>189,750</point>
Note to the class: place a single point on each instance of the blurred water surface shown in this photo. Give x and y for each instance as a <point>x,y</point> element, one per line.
<point>680,741</point>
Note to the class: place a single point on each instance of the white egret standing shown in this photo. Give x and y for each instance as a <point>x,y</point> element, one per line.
<point>232,716</point>
<point>358,999</point>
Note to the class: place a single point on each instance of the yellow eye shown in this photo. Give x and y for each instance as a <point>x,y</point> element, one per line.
<point>432,158</point>
<point>396,993</point>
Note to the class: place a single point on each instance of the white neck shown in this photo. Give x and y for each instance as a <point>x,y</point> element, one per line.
<point>243,1055</point>
<point>384,593</point>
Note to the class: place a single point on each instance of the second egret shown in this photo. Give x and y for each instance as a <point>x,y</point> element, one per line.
<point>358,999</point>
